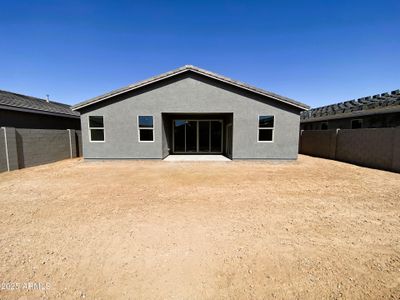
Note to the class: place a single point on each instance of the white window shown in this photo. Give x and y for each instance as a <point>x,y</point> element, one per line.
<point>145,129</point>
<point>266,128</point>
<point>96,128</point>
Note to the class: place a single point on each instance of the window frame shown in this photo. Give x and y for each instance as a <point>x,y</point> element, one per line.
<point>263,128</point>
<point>102,128</point>
<point>145,128</point>
<point>361,122</point>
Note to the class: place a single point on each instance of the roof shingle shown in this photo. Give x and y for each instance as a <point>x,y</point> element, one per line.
<point>17,101</point>
<point>386,102</point>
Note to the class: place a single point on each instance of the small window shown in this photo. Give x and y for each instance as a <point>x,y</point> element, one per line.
<point>266,128</point>
<point>146,128</point>
<point>96,128</point>
<point>324,126</point>
<point>357,123</point>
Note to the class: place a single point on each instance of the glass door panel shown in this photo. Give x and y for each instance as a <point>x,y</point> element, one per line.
<point>204,136</point>
<point>191,136</point>
<point>179,136</point>
<point>216,136</point>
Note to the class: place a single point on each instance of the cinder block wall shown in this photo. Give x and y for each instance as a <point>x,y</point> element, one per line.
<point>370,147</point>
<point>32,147</point>
<point>321,143</point>
<point>39,146</point>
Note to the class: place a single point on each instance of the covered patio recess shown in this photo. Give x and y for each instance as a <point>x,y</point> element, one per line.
<point>197,134</point>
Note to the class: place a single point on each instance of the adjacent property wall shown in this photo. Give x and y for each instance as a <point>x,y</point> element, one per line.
<point>32,147</point>
<point>377,120</point>
<point>20,119</point>
<point>372,147</point>
<point>38,146</point>
<point>321,143</point>
<point>369,147</point>
<point>190,94</point>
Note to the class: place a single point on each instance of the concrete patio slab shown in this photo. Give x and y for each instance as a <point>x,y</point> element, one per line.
<point>196,158</point>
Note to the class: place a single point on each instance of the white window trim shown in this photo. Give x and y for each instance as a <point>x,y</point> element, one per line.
<point>262,128</point>
<point>351,123</point>
<point>144,128</point>
<point>90,130</point>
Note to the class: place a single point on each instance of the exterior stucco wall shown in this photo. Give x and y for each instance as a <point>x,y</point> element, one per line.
<point>379,120</point>
<point>19,119</point>
<point>190,94</point>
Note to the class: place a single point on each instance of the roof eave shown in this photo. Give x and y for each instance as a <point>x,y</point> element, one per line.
<point>37,111</point>
<point>385,110</point>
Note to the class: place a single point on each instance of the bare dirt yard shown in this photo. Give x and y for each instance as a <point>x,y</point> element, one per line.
<point>308,229</point>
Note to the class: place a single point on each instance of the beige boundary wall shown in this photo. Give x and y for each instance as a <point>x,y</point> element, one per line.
<point>370,147</point>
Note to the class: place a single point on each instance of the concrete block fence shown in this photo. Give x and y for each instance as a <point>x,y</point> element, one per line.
<point>370,147</point>
<point>21,148</point>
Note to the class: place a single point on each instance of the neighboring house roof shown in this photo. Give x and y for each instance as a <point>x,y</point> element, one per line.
<point>377,104</point>
<point>189,68</point>
<point>13,101</point>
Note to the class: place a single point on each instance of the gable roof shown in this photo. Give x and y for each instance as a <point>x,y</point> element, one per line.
<point>190,68</point>
<point>377,104</point>
<point>13,101</point>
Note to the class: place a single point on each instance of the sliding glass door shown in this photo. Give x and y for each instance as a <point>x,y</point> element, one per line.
<point>197,136</point>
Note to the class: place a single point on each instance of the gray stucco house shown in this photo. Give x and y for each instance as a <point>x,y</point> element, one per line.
<point>190,111</point>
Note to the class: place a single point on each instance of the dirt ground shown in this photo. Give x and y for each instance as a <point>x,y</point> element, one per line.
<point>308,229</point>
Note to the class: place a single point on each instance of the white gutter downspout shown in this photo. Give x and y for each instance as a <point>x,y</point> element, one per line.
<point>70,143</point>
<point>6,146</point>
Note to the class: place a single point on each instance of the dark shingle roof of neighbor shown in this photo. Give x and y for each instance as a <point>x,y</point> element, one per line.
<point>377,104</point>
<point>197,70</point>
<point>13,101</point>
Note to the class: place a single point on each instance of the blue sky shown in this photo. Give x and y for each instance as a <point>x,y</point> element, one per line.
<point>317,52</point>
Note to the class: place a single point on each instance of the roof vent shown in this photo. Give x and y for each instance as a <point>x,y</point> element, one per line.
<point>47,98</point>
